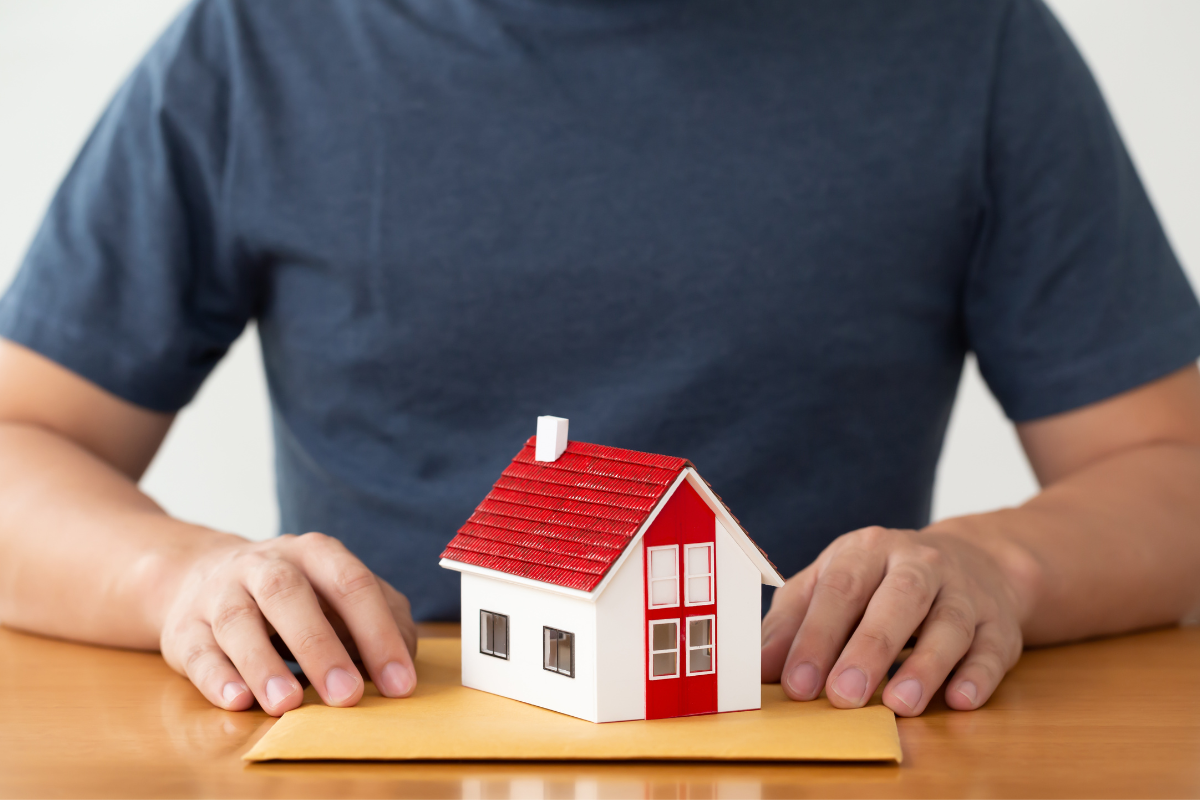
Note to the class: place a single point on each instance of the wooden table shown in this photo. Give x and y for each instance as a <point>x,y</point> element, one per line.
<point>1112,718</point>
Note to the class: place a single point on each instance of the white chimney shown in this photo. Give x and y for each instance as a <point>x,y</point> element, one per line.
<point>551,438</point>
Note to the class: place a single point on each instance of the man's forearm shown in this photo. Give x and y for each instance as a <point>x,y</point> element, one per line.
<point>1112,548</point>
<point>83,553</point>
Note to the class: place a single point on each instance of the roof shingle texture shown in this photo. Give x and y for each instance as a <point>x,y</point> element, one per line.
<point>564,522</point>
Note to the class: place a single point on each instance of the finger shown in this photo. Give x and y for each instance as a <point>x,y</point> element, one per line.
<point>995,650</point>
<point>789,604</point>
<point>839,597</point>
<point>357,596</point>
<point>288,602</point>
<point>339,627</point>
<point>895,610</point>
<point>193,651</point>
<point>946,635</point>
<point>241,632</point>
<point>402,613</point>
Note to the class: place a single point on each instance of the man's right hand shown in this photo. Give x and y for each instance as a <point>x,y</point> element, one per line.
<point>326,606</point>
<point>85,555</point>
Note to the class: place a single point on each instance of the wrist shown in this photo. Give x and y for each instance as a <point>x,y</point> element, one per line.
<point>157,574</point>
<point>1019,566</point>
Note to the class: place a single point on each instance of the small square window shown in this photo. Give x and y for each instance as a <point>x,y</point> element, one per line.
<point>493,634</point>
<point>664,649</point>
<point>663,574</point>
<point>558,651</point>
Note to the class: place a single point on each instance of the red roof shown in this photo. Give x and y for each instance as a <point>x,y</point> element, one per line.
<point>564,522</point>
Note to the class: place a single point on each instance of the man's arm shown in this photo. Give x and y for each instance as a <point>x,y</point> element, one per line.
<point>1115,532</point>
<point>1111,544</point>
<point>85,555</point>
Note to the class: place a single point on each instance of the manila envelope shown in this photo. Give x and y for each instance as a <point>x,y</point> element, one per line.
<point>443,720</point>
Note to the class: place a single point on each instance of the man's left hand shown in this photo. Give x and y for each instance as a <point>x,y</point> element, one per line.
<point>840,623</point>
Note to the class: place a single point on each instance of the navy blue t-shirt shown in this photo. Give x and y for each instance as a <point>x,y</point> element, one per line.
<point>761,235</point>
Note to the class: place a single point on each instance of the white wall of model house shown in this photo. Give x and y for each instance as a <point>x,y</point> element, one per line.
<point>609,682</point>
<point>521,676</point>
<point>620,626</point>
<point>739,623</point>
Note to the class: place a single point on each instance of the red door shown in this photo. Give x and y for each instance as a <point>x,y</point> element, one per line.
<point>680,593</point>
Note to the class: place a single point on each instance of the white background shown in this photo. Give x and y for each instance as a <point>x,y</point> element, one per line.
<point>60,60</point>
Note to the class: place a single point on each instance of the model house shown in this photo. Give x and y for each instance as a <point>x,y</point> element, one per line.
<point>610,585</point>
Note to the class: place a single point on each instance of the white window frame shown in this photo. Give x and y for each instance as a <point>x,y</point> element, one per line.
<point>713,644</point>
<point>651,580</point>
<point>650,649</point>
<point>687,574</point>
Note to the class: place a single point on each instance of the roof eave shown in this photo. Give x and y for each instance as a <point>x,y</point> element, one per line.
<point>495,574</point>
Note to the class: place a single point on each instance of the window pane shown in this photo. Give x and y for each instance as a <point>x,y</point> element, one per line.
<point>662,563</point>
<point>500,635</point>
<point>666,636</point>
<point>564,653</point>
<point>699,632</point>
<point>698,590</point>
<point>698,560</point>
<point>484,644</point>
<point>700,660</point>
<point>664,664</point>
<point>662,593</point>
<point>550,649</point>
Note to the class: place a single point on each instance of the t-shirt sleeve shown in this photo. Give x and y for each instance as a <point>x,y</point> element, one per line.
<point>1075,294</point>
<point>131,281</point>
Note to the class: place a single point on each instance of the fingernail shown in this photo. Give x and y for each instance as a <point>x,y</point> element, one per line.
<point>232,691</point>
<point>278,690</point>
<point>339,685</point>
<point>969,691</point>
<point>804,681</point>
<point>908,692</point>
<point>396,680</point>
<point>851,685</point>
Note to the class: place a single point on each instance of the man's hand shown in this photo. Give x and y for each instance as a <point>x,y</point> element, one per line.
<point>84,555</point>
<point>840,623</point>
<point>325,605</point>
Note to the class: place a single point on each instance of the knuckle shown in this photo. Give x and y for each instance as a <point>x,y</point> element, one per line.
<point>956,617</point>
<point>276,578</point>
<point>873,536</point>
<point>878,640</point>
<point>352,581</point>
<point>929,556</point>
<point>198,661</point>
<point>844,585</point>
<point>991,663</point>
<point>311,640</point>
<point>230,614</point>
<point>314,539</point>
<point>249,562</point>
<point>911,584</point>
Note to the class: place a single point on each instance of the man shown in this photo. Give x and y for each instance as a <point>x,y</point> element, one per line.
<point>761,235</point>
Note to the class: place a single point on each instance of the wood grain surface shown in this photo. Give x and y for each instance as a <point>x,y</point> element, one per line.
<point>1112,718</point>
